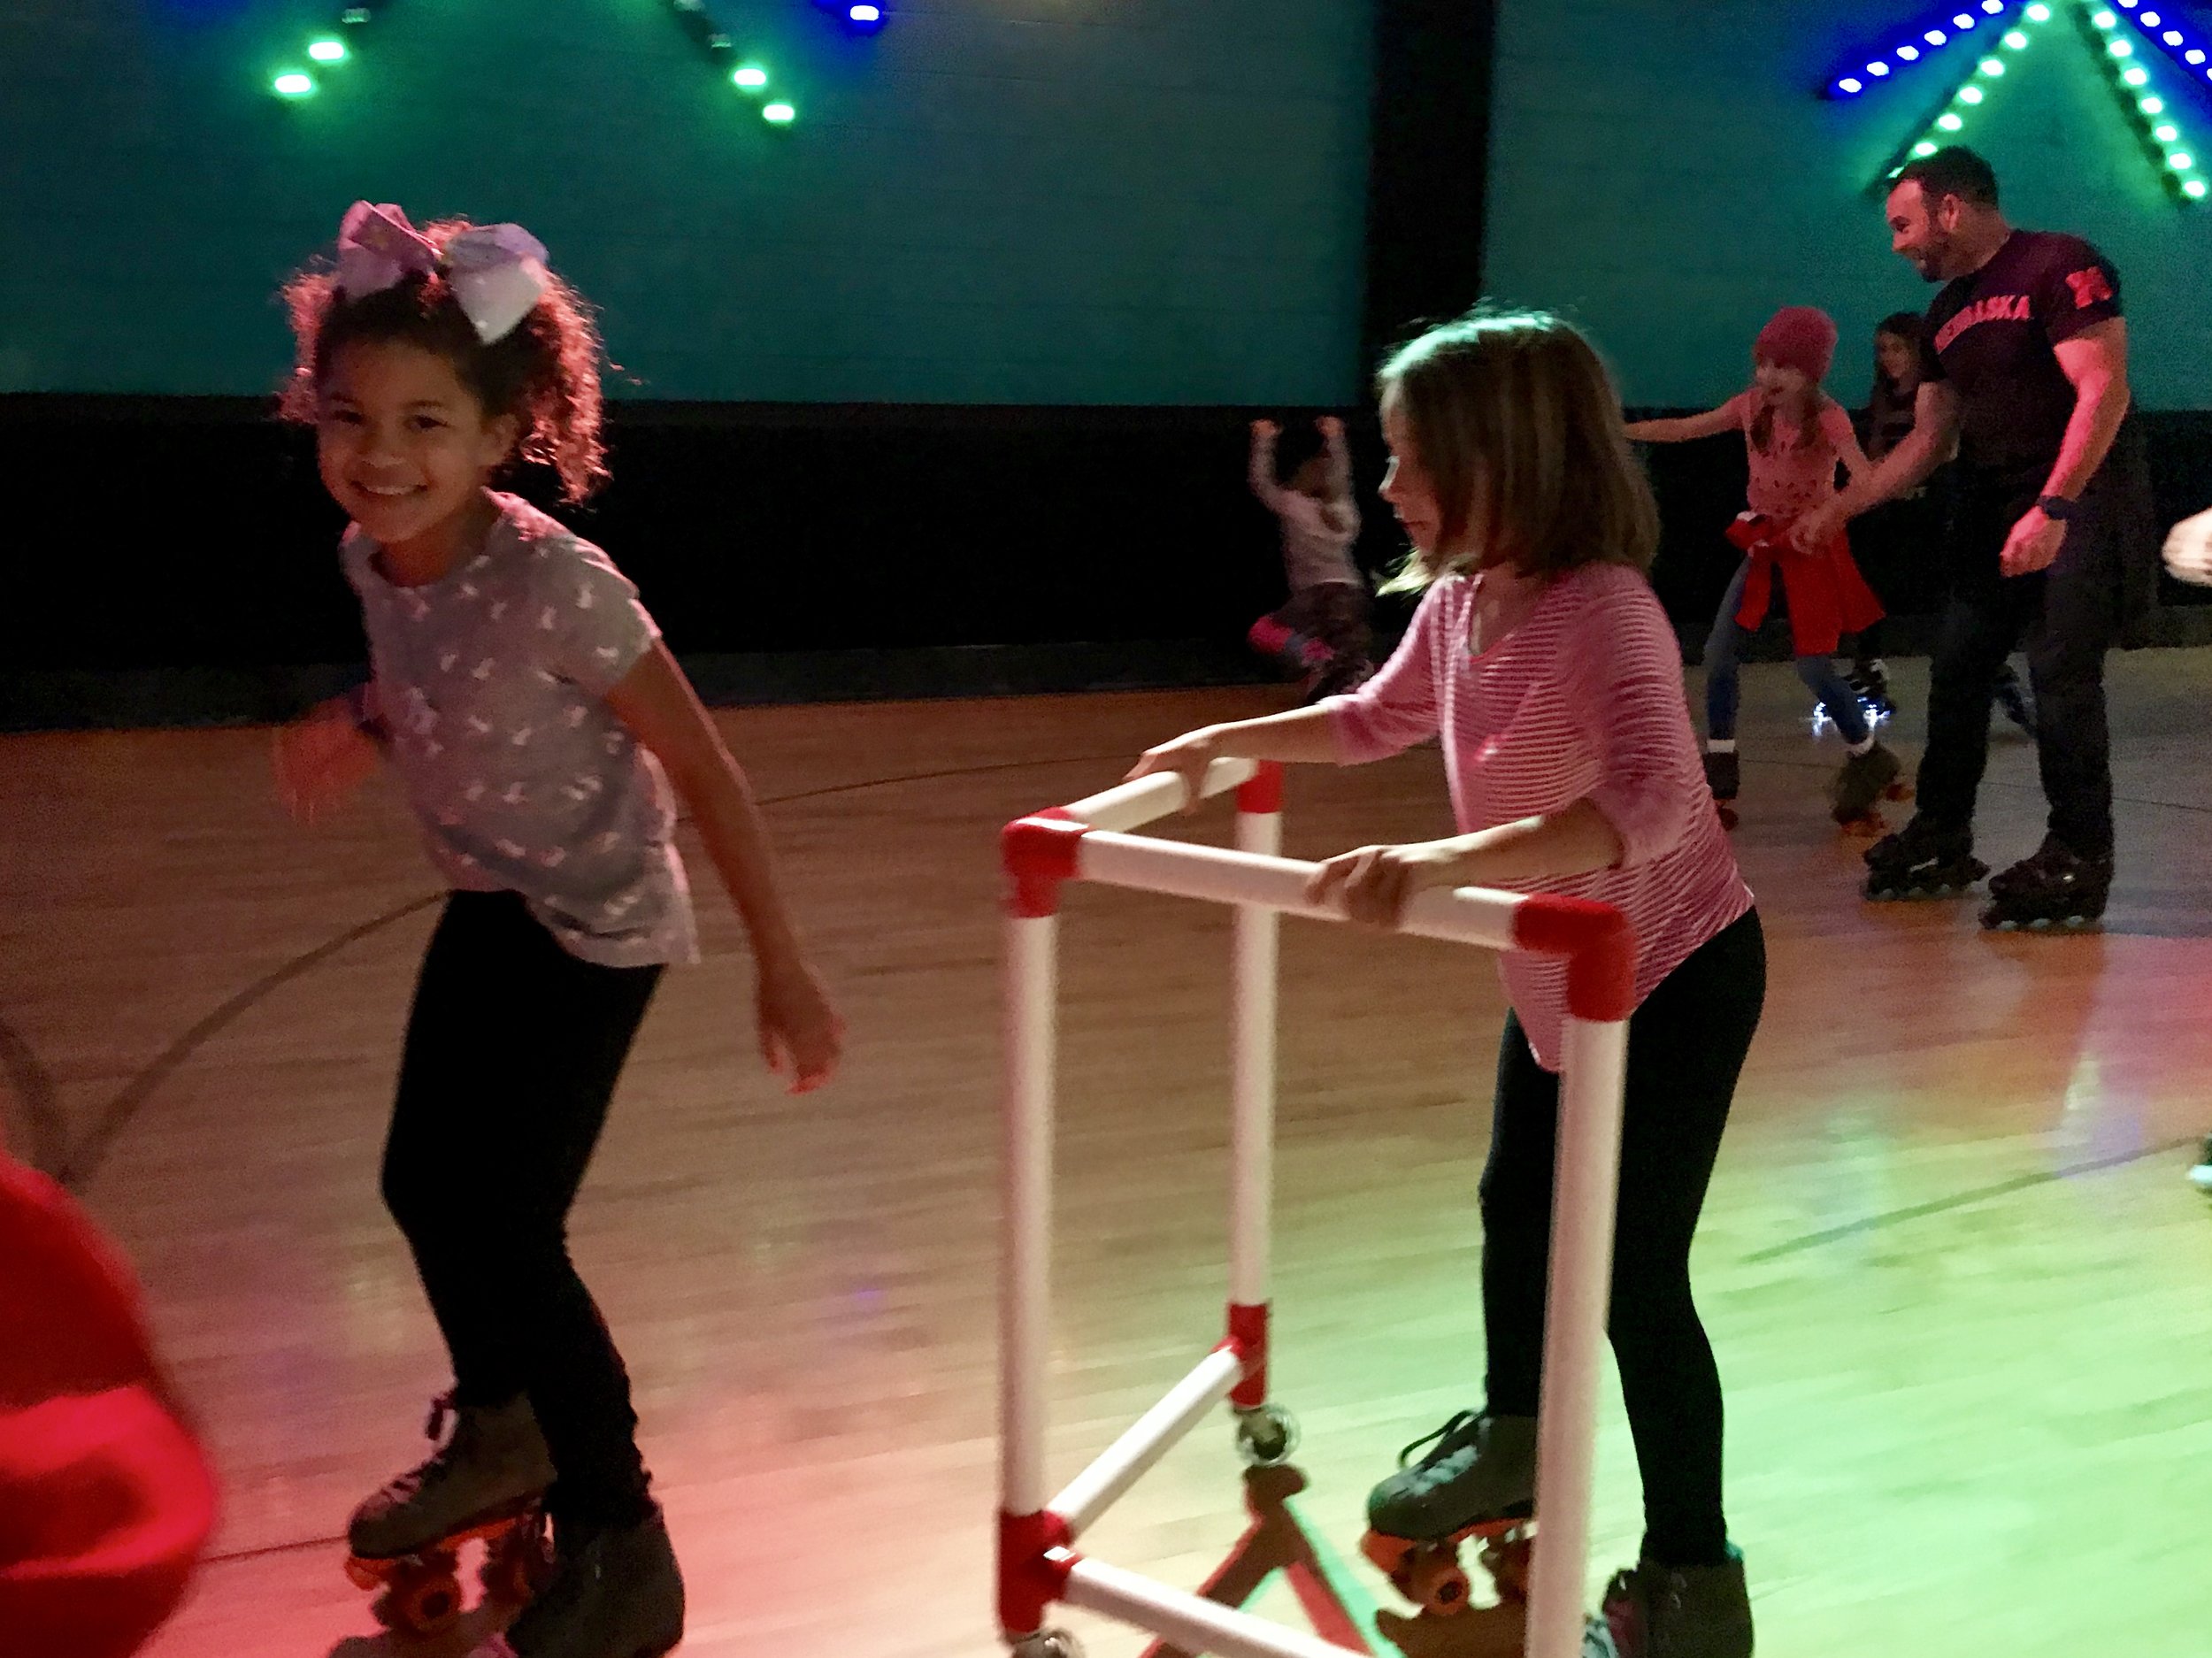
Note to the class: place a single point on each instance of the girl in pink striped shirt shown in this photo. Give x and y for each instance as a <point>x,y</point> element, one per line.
<point>1541,657</point>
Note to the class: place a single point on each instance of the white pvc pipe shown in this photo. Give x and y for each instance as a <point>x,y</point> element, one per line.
<point>1595,1060</point>
<point>1468,914</point>
<point>1252,1009</point>
<point>1025,1242</point>
<point>1146,1440</point>
<point>1132,805</point>
<point>1189,1621</point>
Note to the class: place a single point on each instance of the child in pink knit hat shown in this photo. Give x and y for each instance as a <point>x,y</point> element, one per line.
<point>1796,435</point>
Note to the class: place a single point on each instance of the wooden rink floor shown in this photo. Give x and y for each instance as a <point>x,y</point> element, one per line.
<point>1960,1293</point>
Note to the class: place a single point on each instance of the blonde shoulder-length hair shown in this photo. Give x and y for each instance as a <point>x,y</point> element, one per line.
<point>1515,419</point>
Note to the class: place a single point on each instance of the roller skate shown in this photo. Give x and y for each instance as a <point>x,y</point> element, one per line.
<point>1923,860</point>
<point>1654,1611</point>
<point>2012,698</point>
<point>1477,1481</point>
<point>2056,887</point>
<point>1863,780</point>
<point>615,1592</point>
<point>1724,775</point>
<point>1869,683</point>
<point>2200,1177</point>
<point>486,1484</point>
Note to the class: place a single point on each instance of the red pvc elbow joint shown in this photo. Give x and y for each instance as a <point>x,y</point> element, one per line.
<point>1029,1580</point>
<point>1263,791</point>
<point>1600,948</point>
<point>1248,1339</point>
<point>1040,852</point>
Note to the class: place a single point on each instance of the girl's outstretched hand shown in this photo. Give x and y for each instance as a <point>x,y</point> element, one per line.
<point>801,1034</point>
<point>1188,756</point>
<point>321,758</point>
<point>1376,883</point>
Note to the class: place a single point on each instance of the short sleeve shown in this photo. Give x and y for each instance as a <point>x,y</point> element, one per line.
<point>1741,408</point>
<point>1930,359</point>
<point>593,627</point>
<point>2079,287</point>
<point>1400,703</point>
<point>1835,425</point>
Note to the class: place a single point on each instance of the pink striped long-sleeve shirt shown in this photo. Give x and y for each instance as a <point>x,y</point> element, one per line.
<point>1583,700</point>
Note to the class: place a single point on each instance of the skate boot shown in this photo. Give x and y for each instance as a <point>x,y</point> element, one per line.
<point>2011,697</point>
<point>1923,860</point>
<point>1869,683</point>
<point>1862,780</point>
<point>1724,775</point>
<point>2200,1177</point>
<point>1477,1479</point>
<point>2054,888</point>
<point>485,1483</point>
<point>1654,1611</point>
<point>615,1593</point>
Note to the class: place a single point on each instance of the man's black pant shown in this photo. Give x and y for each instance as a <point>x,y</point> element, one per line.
<point>2066,617</point>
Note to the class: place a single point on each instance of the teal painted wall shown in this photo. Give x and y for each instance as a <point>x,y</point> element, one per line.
<point>1664,172</point>
<point>992,201</point>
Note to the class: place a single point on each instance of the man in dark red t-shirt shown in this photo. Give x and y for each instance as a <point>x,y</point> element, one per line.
<point>2023,361</point>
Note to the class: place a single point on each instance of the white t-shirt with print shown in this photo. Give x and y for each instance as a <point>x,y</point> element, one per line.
<point>492,682</point>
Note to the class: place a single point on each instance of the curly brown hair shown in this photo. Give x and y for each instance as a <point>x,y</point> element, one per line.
<point>544,372</point>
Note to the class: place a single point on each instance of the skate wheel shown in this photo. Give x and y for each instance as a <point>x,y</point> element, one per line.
<point>518,1564</point>
<point>1266,1436</point>
<point>1433,1580</point>
<point>1048,1643</point>
<point>1899,790</point>
<point>364,1574</point>
<point>1866,822</point>
<point>425,1603</point>
<point>1507,1561</point>
<point>1726,813</point>
<point>1387,1554</point>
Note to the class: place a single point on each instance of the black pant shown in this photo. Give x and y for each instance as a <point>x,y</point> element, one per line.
<point>513,1048</point>
<point>2067,616</point>
<point>1686,1046</point>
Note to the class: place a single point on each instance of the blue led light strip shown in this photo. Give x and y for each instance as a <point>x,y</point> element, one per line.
<point>1968,23</point>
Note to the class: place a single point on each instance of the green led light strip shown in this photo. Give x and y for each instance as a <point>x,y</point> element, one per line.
<point>333,48</point>
<point>2137,88</point>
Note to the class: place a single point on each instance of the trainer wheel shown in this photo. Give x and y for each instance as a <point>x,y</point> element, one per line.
<point>1048,1643</point>
<point>1266,1436</point>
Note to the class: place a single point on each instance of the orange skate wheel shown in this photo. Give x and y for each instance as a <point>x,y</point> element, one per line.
<point>518,1563</point>
<point>426,1599</point>
<point>1386,1554</point>
<point>1507,1561</point>
<point>1434,1579</point>
<point>364,1574</point>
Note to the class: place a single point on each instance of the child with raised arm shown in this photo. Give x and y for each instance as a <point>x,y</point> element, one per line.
<point>1321,635</point>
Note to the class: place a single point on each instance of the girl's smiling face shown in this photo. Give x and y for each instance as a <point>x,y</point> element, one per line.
<point>404,446</point>
<point>1783,387</point>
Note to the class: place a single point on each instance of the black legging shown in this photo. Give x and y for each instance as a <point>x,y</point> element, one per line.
<point>513,1048</point>
<point>1685,1045</point>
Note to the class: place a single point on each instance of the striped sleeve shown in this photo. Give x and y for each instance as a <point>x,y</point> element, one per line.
<point>1623,690</point>
<point>1400,706</point>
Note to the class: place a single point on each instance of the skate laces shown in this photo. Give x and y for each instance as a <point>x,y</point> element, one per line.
<point>1444,1439</point>
<point>415,1478</point>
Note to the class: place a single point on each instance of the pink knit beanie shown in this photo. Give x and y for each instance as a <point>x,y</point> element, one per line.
<point>1799,337</point>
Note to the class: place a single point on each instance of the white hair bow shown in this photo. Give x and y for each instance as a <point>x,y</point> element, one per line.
<point>497,272</point>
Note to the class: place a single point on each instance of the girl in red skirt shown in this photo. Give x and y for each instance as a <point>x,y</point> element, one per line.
<point>1797,436</point>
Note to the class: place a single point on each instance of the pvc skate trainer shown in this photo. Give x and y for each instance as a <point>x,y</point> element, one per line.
<point>1089,840</point>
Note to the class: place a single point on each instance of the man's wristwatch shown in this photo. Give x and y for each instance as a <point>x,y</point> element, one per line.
<point>2056,508</point>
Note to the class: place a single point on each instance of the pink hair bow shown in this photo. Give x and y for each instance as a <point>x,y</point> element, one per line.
<point>497,272</point>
